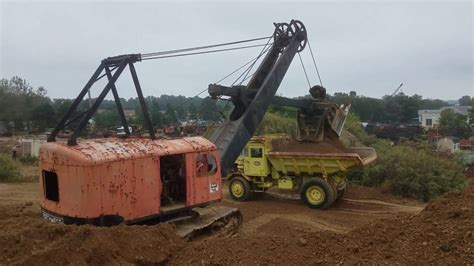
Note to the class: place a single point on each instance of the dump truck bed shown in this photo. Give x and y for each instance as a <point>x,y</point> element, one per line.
<point>310,158</point>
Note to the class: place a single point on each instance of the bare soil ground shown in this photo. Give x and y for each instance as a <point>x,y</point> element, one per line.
<point>367,230</point>
<point>366,226</point>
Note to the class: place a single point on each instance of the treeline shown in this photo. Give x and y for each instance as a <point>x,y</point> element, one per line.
<point>23,108</point>
<point>164,110</point>
<point>399,108</point>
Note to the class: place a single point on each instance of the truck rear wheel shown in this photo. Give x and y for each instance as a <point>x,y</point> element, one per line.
<point>239,188</point>
<point>317,193</point>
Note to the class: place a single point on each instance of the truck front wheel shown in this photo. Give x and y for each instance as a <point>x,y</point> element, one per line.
<point>317,193</point>
<point>239,188</point>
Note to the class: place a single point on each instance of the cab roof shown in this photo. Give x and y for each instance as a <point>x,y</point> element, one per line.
<point>98,151</point>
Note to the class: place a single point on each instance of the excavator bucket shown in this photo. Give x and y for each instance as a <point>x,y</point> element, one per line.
<point>339,119</point>
<point>322,120</point>
<point>213,220</point>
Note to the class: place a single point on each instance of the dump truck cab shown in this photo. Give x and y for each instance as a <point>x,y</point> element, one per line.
<point>253,159</point>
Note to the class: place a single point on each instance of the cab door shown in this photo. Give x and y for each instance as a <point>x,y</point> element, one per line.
<point>255,163</point>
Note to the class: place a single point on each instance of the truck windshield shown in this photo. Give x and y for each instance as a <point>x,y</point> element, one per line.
<point>256,152</point>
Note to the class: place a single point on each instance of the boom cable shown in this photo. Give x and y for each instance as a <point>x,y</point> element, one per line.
<point>246,64</point>
<point>204,52</point>
<point>201,47</point>
<point>253,60</point>
<point>314,62</point>
<point>304,70</point>
<point>264,50</point>
<point>250,67</point>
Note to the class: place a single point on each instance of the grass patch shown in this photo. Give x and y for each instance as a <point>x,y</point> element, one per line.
<point>17,171</point>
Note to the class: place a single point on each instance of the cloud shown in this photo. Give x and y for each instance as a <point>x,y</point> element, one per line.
<point>369,47</point>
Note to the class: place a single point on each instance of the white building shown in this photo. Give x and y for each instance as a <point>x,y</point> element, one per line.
<point>430,118</point>
<point>31,146</point>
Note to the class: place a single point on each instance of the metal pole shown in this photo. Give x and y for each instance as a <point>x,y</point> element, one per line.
<point>146,115</point>
<point>98,101</point>
<point>77,101</point>
<point>118,103</point>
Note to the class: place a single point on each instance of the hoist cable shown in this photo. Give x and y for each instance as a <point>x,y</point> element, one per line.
<point>246,64</point>
<point>304,70</point>
<point>233,72</point>
<point>200,47</point>
<point>264,50</point>
<point>314,61</point>
<point>189,99</point>
<point>204,52</point>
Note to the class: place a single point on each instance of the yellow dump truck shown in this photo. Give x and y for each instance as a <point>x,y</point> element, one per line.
<point>316,170</point>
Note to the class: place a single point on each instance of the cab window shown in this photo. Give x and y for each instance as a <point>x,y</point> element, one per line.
<point>211,164</point>
<point>256,152</point>
<point>206,164</point>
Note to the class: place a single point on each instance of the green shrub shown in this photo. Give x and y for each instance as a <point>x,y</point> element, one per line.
<point>416,172</point>
<point>274,123</point>
<point>28,159</point>
<point>410,168</point>
<point>354,127</point>
<point>9,169</point>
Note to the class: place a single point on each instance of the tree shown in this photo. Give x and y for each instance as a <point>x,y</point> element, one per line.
<point>170,114</point>
<point>454,124</point>
<point>43,116</point>
<point>208,110</point>
<point>471,114</point>
<point>155,113</point>
<point>18,101</point>
<point>180,112</point>
<point>107,120</point>
<point>432,104</point>
<point>192,111</point>
<point>466,100</point>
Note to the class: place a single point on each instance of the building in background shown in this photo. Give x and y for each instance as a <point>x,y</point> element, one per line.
<point>30,146</point>
<point>430,118</point>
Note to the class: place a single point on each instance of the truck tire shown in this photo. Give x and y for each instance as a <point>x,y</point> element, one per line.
<point>317,193</point>
<point>240,189</point>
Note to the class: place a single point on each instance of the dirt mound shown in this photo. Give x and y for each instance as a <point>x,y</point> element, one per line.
<point>25,238</point>
<point>442,234</point>
<point>328,145</point>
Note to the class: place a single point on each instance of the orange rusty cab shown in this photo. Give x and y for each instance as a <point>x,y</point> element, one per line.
<point>111,181</point>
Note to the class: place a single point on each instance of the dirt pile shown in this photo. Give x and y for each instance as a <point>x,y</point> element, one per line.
<point>442,233</point>
<point>27,239</point>
<point>328,145</point>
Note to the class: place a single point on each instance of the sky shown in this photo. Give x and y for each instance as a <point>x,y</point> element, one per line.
<point>366,46</point>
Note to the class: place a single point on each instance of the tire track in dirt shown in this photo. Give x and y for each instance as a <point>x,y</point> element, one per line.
<point>335,219</point>
<point>253,226</point>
